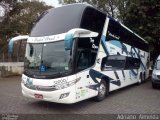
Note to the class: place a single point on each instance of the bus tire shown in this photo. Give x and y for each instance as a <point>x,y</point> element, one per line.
<point>102,91</point>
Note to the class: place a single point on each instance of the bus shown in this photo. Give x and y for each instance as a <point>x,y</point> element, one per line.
<point>76,52</point>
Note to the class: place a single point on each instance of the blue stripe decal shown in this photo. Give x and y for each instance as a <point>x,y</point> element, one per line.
<point>133,73</point>
<point>103,39</point>
<point>95,74</point>
<point>139,57</point>
<point>117,82</point>
<point>116,43</point>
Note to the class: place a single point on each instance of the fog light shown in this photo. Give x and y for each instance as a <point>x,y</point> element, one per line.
<point>64,95</point>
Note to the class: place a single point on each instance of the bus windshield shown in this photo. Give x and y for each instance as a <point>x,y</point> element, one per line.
<point>53,57</point>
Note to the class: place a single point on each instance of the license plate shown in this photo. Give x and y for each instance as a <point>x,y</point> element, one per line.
<point>38,96</point>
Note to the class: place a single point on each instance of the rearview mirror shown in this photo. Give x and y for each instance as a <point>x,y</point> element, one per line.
<point>68,41</point>
<point>77,32</point>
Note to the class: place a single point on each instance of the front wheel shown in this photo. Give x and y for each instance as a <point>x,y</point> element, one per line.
<point>102,91</point>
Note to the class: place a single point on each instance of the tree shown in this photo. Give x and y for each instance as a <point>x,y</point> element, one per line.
<point>143,17</point>
<point>113,8</point>
<point>20,19</point>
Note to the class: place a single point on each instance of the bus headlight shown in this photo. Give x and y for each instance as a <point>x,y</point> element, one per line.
<point>67,84</point>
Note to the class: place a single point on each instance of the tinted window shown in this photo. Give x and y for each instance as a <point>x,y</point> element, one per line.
<point>118,32</point>
<point>132,63</point>
<point>113,62</point>
<point>83,60</point>
<point>93,20</point>
<point>47,59</point>
<point>58,20</point>
<point>86,54</point>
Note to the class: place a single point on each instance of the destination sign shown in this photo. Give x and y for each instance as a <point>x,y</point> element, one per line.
<point>46,39</point>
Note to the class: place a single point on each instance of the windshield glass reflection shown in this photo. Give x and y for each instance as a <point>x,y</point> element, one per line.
<point>48,59</point>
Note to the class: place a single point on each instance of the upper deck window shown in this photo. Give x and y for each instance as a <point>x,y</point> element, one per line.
<point>117,32</point>
<point>58,20</point>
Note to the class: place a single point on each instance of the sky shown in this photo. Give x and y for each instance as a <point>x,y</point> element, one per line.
<point>52,2</point>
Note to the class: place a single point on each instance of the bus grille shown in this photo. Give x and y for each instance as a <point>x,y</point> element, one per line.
<point>41,88</point>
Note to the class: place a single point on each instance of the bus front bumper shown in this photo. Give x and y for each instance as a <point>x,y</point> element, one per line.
<point>66,95</point>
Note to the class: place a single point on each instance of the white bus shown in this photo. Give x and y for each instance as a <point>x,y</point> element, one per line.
<point>76,52</point>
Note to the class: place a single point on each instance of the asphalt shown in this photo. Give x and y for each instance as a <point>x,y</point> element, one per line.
<point>134,99</point>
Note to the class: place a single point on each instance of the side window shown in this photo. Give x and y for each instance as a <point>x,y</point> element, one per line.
<point>132,63</point>
<point>86,53</point>
<point>113,32</point>
<point>113,62</point>
<point>118,62</point>
<point>117,32</point>
<point>83,61</point>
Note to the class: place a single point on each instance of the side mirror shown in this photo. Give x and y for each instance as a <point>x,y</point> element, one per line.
<point>10,46</point>
<point>68,41</point>
<point>11,42</point>
<point>77,32</point>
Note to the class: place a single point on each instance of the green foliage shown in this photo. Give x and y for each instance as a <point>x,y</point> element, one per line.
<point>20,19</point>
<point>111,7</point>
<point>143,17</point>
<point>67,1</point>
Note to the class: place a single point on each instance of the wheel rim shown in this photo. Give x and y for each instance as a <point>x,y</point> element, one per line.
<point>102,90</point>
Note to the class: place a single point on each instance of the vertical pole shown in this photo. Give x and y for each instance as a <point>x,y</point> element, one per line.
<point>3,57</point>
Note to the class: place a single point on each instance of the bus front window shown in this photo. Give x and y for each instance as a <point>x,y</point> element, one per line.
<point>53,56</point>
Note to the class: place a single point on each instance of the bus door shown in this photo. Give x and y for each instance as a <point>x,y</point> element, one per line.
<point>86,55</point>
<point>83,62</point>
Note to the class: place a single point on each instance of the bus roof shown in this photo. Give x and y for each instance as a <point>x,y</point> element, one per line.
<point>62,19</point>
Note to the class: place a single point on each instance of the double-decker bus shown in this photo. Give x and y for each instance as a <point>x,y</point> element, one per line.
<point>76,52</point>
